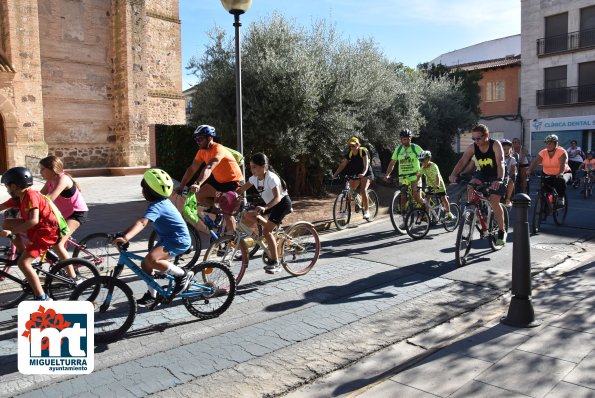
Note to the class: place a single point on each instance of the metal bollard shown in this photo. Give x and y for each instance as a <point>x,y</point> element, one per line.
<point>520,311</point>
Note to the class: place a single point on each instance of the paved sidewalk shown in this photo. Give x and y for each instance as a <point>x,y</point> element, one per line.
<point>555,359</point>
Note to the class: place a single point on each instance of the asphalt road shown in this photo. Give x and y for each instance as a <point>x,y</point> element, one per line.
<point>371,288</point>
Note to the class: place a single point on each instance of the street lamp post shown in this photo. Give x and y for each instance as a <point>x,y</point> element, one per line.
<point>237,8</point>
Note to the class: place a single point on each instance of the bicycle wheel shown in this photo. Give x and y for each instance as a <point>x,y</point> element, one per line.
<point>190,256</point>
<point>14,287</point>
<point>464,237</point>
<point>397,218</point>
<point>493,228</point>
<point>114,306</point>
<point>225,250</point>
<point>417,223</point>
<point>372,204</point>
<point>211,291</point>
<point>560,213</point>
<point>97,248</point>
<point>341,211</point>
<point>451,224</point>
<point>59,284</point>
<point>300,248</point>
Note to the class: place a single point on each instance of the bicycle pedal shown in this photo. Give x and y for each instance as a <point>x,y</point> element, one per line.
<point>158,301</point>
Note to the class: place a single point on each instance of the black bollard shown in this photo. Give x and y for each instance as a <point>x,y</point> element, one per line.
<point>520,311</point>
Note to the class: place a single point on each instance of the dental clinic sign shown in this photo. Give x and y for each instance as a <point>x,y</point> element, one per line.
<point>563,124</point>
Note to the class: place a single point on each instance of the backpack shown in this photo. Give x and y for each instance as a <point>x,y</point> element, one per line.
<point>63,229</point>
<point>415,148</point>
<point>361,148</point>
<point>236,155</point>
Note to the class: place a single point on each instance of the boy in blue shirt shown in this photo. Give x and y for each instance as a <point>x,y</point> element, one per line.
<point>174,238</point>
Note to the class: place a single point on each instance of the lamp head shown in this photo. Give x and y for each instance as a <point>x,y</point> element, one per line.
<point>236,6</point>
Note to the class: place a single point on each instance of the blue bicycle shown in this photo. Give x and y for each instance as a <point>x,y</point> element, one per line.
<point>208,295</point>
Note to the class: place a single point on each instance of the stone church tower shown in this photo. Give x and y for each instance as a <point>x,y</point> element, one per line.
<point>87,80</point>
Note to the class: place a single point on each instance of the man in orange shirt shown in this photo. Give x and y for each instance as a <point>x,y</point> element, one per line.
<point>221,172</point>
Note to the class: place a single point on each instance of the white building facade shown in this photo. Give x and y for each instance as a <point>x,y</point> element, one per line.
<point>558,71</point>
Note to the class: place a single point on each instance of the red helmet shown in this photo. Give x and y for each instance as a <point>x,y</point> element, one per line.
<point>229,202</point>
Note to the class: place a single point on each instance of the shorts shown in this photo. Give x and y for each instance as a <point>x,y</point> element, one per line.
<point>523,165</point>
<point>174,248</point>
<point>280,210</point>
<point>40,240</point>
<point>500,191</point>
<point>440,193</point>
<point>408,179</point>
<point>79,216</point>
<point>222,186</point>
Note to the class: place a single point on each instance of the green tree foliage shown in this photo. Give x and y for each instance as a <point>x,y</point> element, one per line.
<point>306,91</point>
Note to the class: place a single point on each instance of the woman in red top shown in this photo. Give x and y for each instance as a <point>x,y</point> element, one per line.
<point>38,221</point>
<point>555,164</point>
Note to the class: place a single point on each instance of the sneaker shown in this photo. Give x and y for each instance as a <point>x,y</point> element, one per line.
<point>366,214</point>
<point>47,298</point>
<point>182,282</point>
<point>501,240</point>
<point>145,301</point>
<point>508,204</point>
<point>271,269</point>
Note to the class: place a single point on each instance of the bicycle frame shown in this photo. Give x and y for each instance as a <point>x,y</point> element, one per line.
<point>478,201</point>
<point>126,260</point>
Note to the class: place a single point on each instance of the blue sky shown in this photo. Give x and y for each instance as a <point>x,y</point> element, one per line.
<point>410,32</point>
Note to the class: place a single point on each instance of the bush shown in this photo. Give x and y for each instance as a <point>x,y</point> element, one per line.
<point>175,149</point>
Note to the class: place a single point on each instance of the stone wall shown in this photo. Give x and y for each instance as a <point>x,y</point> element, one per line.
<point>77,79</point>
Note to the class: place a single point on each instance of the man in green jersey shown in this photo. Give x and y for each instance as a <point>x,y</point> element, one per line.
<point>406,154</point>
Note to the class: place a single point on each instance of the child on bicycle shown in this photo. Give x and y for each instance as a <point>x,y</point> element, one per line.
<point>63,190</point>
<point>587,167</point>
<point>510,172</point>
<point>434,180</point>
<point>273,191</point>
<point>174,238</point>
<point>38,220</point>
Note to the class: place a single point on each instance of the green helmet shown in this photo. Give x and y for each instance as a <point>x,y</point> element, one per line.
<point>159,182</point>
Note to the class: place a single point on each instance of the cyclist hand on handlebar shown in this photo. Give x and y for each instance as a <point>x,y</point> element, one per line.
<point>496,184</point>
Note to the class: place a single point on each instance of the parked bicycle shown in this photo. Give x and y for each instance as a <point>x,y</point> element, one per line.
<point>342,206</point>
<point>419,220</point>
<point>298,246</point>
<point>208,295</point>
<point>547,202</point>
<point>478,215</point>
<point>54,276</point>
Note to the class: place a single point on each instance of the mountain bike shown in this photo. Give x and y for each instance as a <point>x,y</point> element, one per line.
<point>298,247</point>
<point>546,203</point>
<point>478,215</point>
<point>343,201</point>
<point>402,204</point>
<point>53,273</point>
<point>208,295</point>
<point>419,220</point>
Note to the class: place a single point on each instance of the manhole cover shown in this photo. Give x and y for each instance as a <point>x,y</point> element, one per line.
<point>557,247</point>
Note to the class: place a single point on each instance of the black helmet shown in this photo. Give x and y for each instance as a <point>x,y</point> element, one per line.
<point>405,133</point>
<point>20,176</point>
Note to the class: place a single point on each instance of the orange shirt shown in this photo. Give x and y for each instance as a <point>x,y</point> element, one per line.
<point>227,170</point>
<point>551,165</point>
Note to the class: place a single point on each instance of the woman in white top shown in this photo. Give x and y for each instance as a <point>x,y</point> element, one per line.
<point>575,159</point>
<point>273,191</point>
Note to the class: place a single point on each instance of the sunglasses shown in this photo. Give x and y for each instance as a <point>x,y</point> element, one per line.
<point>352,146</point>
<point>477,138</point>
<point>200,138</point>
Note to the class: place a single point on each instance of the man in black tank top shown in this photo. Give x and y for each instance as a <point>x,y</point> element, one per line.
<point>490,161</point>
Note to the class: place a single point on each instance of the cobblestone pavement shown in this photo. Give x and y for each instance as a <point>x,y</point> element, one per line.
<point>370,290</point>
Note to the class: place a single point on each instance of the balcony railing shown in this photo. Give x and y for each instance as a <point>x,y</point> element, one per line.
<point>567,42</point>
<point>566,95</point>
